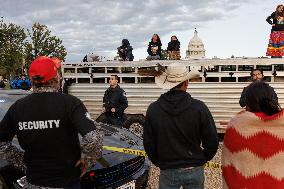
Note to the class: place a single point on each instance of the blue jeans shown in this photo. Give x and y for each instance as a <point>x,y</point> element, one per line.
<point>187,178</point>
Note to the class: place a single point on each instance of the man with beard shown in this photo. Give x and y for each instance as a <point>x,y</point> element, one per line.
<point>256,75</point>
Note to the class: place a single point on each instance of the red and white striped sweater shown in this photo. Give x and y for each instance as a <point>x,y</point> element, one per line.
<point>253,152</point>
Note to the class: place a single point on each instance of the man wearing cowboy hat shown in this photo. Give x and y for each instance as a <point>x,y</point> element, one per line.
<point>180,135</point>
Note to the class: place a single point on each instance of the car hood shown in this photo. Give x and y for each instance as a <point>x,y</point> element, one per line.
<point>9,97</point>
<point>113,136</point>
<point>118,138</point>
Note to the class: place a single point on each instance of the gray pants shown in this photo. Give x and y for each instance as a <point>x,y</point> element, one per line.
<point>156,57</point>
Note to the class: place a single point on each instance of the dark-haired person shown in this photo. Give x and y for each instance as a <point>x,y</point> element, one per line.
<point>174,48</point>
<point>253,151</point>
<point>125,51</point>
<point>155,48</point>
<point>47,124</point>
<point>256,75</point>
<point>276,42</point>
<point>114,102</point>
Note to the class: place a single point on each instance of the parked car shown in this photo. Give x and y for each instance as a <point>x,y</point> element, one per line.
<point>113,170</point>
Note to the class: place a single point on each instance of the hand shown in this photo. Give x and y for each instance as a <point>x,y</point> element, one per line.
<point>121,50</point>
<point>112,110</point>
<point>273,24</point>
<point>83,166</point>
<point>103,110</point>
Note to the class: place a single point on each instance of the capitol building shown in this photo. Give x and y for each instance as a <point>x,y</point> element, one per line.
<point>196,48</point>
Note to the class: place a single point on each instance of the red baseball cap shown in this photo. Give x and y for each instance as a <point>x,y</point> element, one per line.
<point>43,67</point>
<point>56,61</point>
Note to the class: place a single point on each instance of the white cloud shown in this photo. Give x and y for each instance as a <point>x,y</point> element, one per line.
<point>85,25</point>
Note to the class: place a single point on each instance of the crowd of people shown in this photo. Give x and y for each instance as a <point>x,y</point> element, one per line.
<point>21,82</point>
<point>179,135</point>
<point>154,50</point>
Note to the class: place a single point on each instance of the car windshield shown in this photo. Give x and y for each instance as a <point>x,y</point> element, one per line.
<point>6,100</point>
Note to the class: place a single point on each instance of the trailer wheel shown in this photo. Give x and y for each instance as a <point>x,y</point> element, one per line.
<point>135,124</point>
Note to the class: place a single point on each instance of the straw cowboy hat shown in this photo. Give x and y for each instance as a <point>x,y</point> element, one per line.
<point>175,74</point>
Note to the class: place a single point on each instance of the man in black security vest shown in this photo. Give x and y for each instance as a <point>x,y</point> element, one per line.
<point>114,102</point>
<point>47,124</point>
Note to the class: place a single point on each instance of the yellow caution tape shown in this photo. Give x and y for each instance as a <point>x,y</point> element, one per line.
<point>213,165</point>
<point>126,150</point>
<point>209,164</point>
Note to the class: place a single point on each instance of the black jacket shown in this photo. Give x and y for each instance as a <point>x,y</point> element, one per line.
<point>126,55</point>
<point>47,127</point>
<point>115,98</point>
<point>173,45</point>
<point>277,27</point>
<point>242,100</point>
<point>152,46</point>
<point>176,126</point>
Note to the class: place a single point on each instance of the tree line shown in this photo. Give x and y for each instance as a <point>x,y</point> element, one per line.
<point>20,46</point>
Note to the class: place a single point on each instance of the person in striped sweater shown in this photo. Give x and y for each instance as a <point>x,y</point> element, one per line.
<point>253,150</point>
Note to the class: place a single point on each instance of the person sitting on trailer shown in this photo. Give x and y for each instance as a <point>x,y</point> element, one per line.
<point>125,51</point>
<point>174,48</point>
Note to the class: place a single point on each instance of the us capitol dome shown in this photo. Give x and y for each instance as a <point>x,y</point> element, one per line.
<point>196,48</point>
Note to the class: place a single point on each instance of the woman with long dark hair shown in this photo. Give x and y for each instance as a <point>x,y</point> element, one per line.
<point>154,48</point>
<point>174,48</point>
<point>253,151</point>
<point>276,42</point>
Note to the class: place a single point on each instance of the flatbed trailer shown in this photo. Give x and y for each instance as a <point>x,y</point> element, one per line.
<point>219,86</point>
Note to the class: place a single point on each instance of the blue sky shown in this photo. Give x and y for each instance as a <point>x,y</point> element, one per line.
<point>227,27</point>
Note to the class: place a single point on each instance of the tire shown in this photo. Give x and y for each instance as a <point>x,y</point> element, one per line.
<point>135,123</point>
